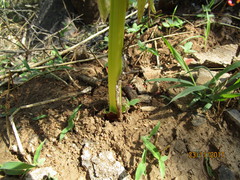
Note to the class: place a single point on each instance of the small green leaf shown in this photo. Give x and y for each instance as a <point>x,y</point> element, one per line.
<point>162,168</point>
<point>151,147</point>
<point>70,123</point>
<point>39,117</point>
<point>141,170</point>
<point>37,153</point>
<point>15,168</point>
<point>188,91</point>
<point>153,51</point>
<point>133,102</point>
<point>154,130</point>
<point>164,158</point>
<point>228,96</point>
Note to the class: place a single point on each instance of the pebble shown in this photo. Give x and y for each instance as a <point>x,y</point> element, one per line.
<point>224,173</point>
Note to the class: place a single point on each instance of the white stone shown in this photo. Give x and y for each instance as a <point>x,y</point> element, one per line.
<point>40,173</point>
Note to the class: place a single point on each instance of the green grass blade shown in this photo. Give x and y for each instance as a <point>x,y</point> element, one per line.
<point>162,168</point>
<point>188,91</point>
<point>15,168</point>
<point>226,91</point>
<point>133,102</point>
<point>70,123</point>
<point>37,153</point>
<point>229,96</point>
<point>151,147</point>
<point>227,69</point>
<point>179,58</point>
<point>154,130</point>
<point>141,169</point>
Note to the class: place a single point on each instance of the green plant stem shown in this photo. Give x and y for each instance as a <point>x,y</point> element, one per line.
<point>116,36</point>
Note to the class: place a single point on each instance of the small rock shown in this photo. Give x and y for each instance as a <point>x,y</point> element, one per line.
<point>180,147</point>
<point>224,173</point>
<point>219,57</point>
<point>182,177</point>
<point>144,98</point>
<point>147,108</point>
<point>40,173</point>
<point>102,165</point>
<point>233,115</point>
<point>150,73</point>
<point>139,84</point>
<point>198,120</point>
<point>205,75</point>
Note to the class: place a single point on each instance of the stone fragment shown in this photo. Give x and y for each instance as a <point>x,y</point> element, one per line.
<point>205,75</point>
<point>41,173</point>
<point>219,57</point>
<point>147,108</point>
<point>150,73</point>
<point>102,165</point>
<point>233,115</point>
<point>224,173</point>
<point>198,120</point>
<point>139,84</point>
<point>180,147</point>
<point>144,98</point>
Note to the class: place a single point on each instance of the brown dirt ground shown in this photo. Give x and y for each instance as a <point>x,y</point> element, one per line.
<point>176,137</point>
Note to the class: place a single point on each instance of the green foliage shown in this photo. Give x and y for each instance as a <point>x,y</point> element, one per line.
<point>209,92</point>
<point>21,168</point>
<point>70,123</point>
<point>173,22</point>
<point>141,169</point>
<point>135,28</point>
<point>4,4</point>
<point>39,117</point>
<point>116,36</point>
<point>36,160</point>
<point>15,168</point>
<point>179,58</point>
<point>128,104</point>
<point>188,48</point>
<point>207,16</point>
<point>143,47</point>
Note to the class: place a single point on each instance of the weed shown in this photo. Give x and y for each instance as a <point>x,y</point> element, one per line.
<point>172,22</point>
<point>207,16</point>
<point>21,168</point>
<point>141,169</point>
<point>128,104</point>
<point>70,123</point>
<point>135,28</point>
<point>143,48</point>
<point>187,48</point>
<point>39,117</point>
<point>209,92</point>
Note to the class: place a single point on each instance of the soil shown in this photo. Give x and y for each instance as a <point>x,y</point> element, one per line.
<point>177,137</point>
